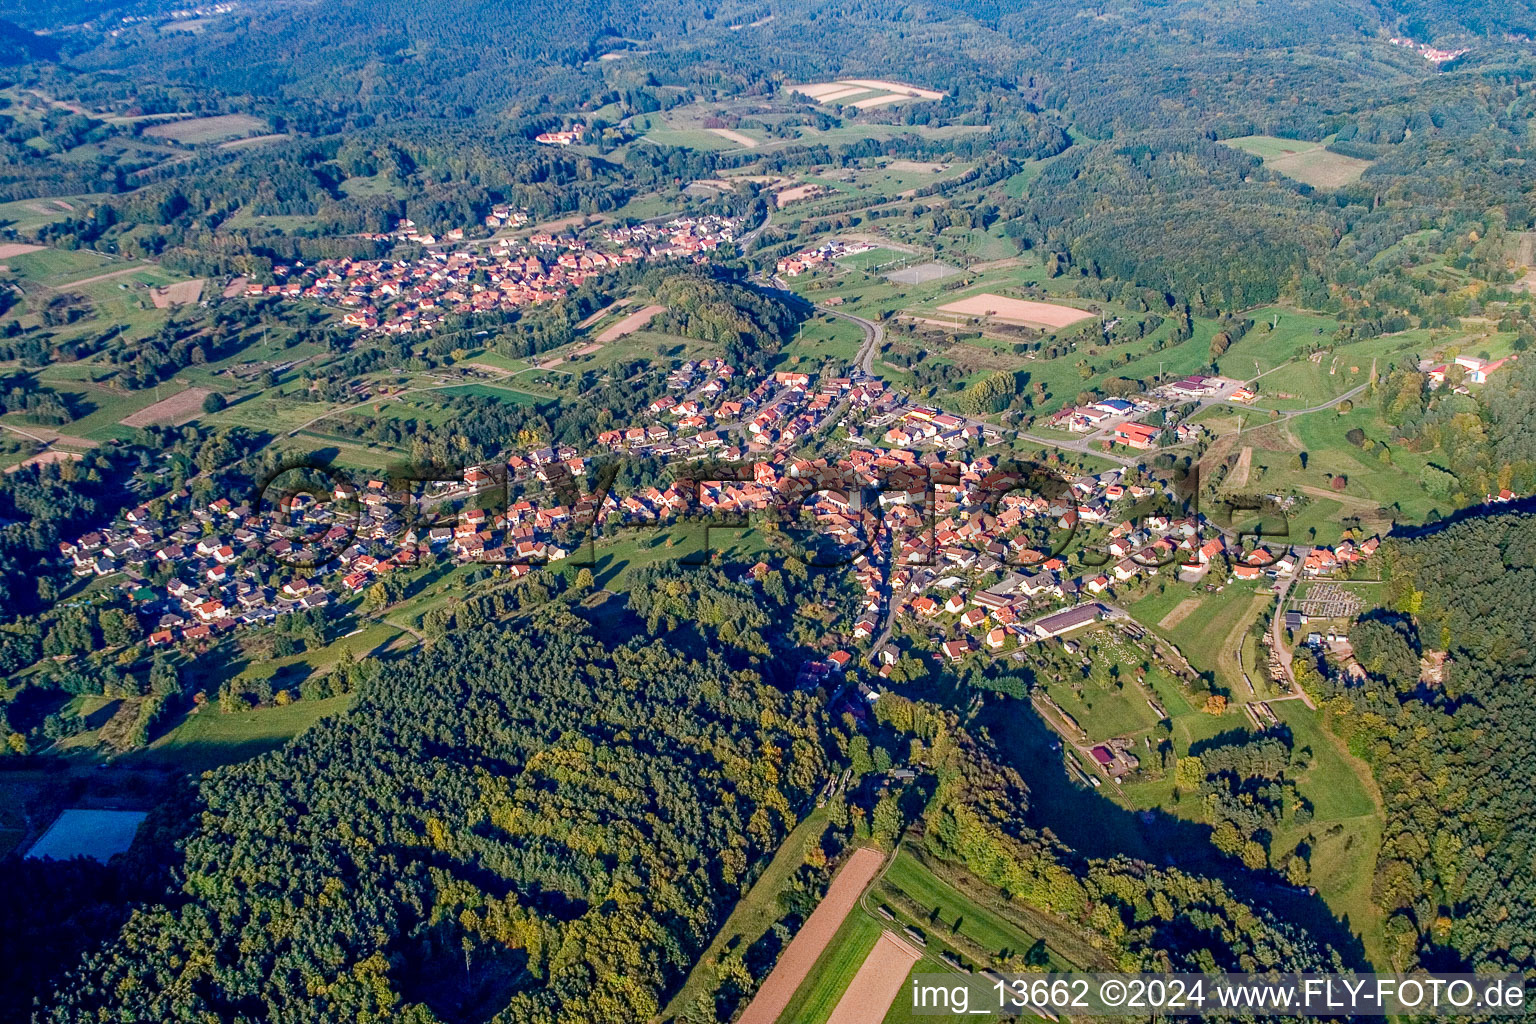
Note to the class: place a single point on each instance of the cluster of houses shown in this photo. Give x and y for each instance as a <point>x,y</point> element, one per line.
<point>754,416</point>
<point>821,256</point>
<point>406,295</point>
<point>1477,370</point>
<point>935,542</point>
<point>561,136</point>
<point>1117,416</point>
<point>1430,53</point>
<point>924,425</point>
<point>1314,562</point>
<point>210,558</point>
<point>986,570</point>
<point>979,537</point>
<point>944,528</point>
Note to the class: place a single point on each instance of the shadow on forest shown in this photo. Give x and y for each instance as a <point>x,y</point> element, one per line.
<point>1095,826</point>
<point>1519,506</point>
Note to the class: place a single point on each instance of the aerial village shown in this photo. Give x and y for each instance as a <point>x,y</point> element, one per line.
<point>402,296</point>
<point>949,554</point>
<point>953,552</point>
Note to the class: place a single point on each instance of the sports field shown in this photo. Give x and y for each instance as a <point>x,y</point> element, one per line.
<point>923,273</point>
<point>176,410</point>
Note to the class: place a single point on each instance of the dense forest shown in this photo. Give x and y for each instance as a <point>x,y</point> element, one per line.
<point>1450,757</point>
<point>522,822</point>
<point>520,818</point>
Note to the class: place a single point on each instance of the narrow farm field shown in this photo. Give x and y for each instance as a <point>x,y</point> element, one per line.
<point>917,893</point>
<point>814,1000</point>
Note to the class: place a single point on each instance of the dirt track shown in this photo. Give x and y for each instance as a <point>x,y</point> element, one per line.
<point>806,948</point>
<point>630,324</point>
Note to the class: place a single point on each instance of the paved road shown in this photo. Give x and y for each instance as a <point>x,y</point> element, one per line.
<point>874,334</point>
<point>1082,444</point>
<point>1346,396</point>
<point>1277,635</point>
<point>745,241</point>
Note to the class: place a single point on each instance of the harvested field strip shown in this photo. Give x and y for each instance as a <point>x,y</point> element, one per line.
<point>44,458</point>
<point>1239,475</point>
<point>595,317</point>
<point>838,95</point>
<point>999,307</point>
<point>880,83</point>
<point>737,137</point>
<point>806,948</point>
<point>874,988</point>
<point>179,294</point>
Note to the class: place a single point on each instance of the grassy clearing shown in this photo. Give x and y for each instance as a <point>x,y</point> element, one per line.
<point>616,559</point>
<point>497,361</point>
<point>1308,162</point>
<point>1279,335</point>
<point>690,138</point>
<point>199,130</point>
<point>1345,836</point>
<point>1105,706</point>
<point>29,214</point>
<point>346,453</point>
<point>208,738</point>
<point>822,337</point>
<point>496,391</point>
<point>374,185</point>
<point>1372,481</point>
<point>102,408</point>
<point>56,266</point>
<point>1201,636</point>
